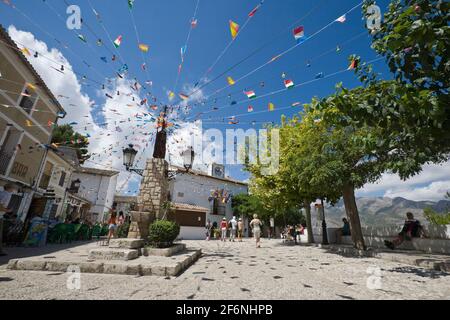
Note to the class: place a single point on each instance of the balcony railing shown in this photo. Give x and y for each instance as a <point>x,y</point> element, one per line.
<point>5,159</point>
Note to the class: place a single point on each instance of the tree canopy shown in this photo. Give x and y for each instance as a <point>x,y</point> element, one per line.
<point>66,136</point>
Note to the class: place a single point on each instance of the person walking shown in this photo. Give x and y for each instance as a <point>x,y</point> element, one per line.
<point>233,224</point>
<point>240,229</point>
<point>121,219</point>
<point>256,224</point>
<point>223,228</point>
<point>5,197</point>
<point>112,226</point>
<point>272,228</point>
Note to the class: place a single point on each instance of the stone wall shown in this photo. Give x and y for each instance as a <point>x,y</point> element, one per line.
<point>153,194</point>
<point>154,187</point>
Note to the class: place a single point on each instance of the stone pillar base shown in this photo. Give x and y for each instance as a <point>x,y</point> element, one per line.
<point>140,222</point>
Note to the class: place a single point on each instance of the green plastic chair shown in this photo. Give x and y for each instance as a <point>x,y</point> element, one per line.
<point>56,234</point>
<point>96,231</point>
<point>105,230</point>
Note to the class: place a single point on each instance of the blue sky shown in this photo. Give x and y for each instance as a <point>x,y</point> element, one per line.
<point>164,26</point>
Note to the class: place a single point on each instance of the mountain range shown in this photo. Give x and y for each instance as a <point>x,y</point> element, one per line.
<point>383,211</point>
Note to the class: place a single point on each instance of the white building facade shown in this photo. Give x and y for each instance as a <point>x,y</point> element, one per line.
<point>99,187</point>
<point>204,192</point>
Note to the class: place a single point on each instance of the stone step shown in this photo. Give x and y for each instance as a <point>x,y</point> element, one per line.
<point>113,254</point>
<point>126,243</point>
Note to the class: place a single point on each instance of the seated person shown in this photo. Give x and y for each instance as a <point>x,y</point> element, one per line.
<point>301,229</point>
<point>411,229</point>
<point>293,234</point>
<point>344,231</point>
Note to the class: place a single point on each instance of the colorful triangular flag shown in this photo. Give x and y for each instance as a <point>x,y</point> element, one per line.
<point>183,96</point>
<point>299,34</point>
<point>230,81</point>
<point>25,51</point>
<point>143,47</point>
<point>250,94</point>
<point>353,65</point>
<point>341,19</point>
<point>234,28</point>
<point>271,106</point>
<point>118,42</point>
<point>82,38</point>
<point>288,84</point>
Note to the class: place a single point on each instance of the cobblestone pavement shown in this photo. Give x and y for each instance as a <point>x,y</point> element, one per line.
<point>239,271</point>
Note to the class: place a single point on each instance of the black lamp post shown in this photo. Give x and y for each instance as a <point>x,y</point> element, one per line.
<point>324,225</point>
<point>75,186</point>
<point>129,154</point>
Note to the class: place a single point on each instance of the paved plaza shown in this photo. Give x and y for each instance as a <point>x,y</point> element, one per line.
<point>238,271</point>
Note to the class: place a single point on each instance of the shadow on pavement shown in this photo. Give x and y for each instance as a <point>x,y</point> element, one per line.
<point>432,274</point>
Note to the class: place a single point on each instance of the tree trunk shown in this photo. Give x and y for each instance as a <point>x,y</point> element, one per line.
<point>353,216</point>
<point>307,206</point>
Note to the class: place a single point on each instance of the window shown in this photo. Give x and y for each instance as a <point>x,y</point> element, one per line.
<point>180,194</point>
<point>218,208</point>
<point>46,175</point>
<point>62,179</point>
<point>7,149</point>
<point>28,99</point>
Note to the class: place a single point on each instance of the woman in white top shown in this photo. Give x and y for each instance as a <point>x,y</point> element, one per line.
<point>256,224</point>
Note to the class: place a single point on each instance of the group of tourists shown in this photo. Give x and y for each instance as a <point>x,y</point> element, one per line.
<point>235,227</point>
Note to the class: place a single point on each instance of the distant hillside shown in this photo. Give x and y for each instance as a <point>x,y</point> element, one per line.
<point>382,211</point>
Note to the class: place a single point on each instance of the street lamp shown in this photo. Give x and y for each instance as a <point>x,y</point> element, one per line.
<point>75,186</point>
<point>129,154</point>
<point>188,158</point>
<point>324,225</point>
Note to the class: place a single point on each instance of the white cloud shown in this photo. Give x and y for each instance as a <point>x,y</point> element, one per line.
<point>105,143</point>
<point>431,184</point>
<point>434,191</point>
<point>78,104</point>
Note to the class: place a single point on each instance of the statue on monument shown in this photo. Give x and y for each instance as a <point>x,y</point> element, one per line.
<point>161,136</point>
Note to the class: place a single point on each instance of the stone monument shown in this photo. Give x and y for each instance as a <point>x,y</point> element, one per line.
<point>154,188</point>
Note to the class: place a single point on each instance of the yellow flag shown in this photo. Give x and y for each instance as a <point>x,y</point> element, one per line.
<point>31,86</point>
<point>231,81</point>
<point>171,95</point>
<point>26,52</point>
<point>234,28</point>
<point>29,123</point>
<point>271,107</point>
<point>143,47</point>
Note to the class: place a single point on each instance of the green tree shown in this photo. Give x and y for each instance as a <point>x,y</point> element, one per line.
<point>65,135</point>
<point>414,108</point>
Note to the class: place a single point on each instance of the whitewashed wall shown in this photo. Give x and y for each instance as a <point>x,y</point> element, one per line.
<point>99,190</point>
<point>196,190</point>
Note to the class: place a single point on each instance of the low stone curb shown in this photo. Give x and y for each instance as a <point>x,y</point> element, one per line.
<point>167,252</point>
<point>172,268</point>
<point>425,262</point>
